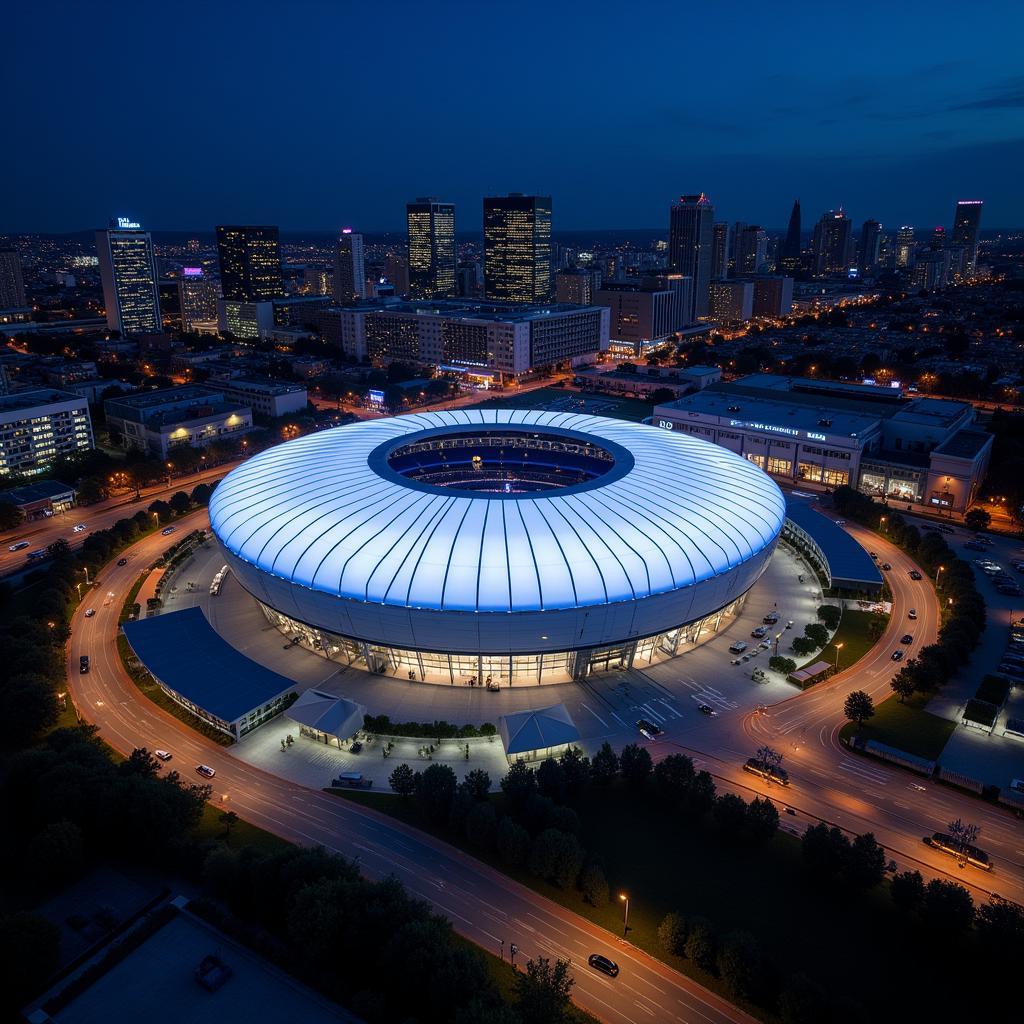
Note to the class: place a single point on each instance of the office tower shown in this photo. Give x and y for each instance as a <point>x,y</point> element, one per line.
<point>250,263</point>
<point>720,249</point>
<point>750,249</point>
<point>938,240</point>
<point>966,228</point>
<point>732,301</point>
<point>773,295</point>
<point>640,315</point>
<point>396,270</point>
<point>349,272</point>
<point>870,247</point>
<point>791,247</point>
<point>317,280</point>
<point>197,297</point>
<point>431,227</point>
<point>577,286</point>
<point>904,247</point>
<point>690,238</point>
<point>681,290</point>
<point>833,244</point>
<point>517,248</point>
<point>128,273</point>
<point>170,305</point>
<point>12,286</point>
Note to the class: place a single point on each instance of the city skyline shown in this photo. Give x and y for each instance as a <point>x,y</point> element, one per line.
<point>884,128</point>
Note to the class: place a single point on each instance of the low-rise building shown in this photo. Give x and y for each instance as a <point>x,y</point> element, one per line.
<point>263,395</point>
<point>160,421</point>
<point>645,381</point>
<point>41,498</point>
<point>248,321</point>
<point>38,426</point>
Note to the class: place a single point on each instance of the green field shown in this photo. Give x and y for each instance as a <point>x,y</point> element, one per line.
<point>853,635</point>
<point>559,400</point>
<point>907,727</point>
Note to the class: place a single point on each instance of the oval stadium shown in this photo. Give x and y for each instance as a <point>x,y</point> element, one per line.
<point>506,546</point>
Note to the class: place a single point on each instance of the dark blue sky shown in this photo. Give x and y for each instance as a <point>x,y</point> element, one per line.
<point>316,114</point>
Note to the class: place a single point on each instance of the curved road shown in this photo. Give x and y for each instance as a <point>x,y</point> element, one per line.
<point>483,905</point>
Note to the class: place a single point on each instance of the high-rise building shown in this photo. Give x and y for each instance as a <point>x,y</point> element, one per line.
<point>250,262</point>
<point>870,247</point>
<point>773,295</point>
<point>833,243</point>
<point>640,315</point>
<point>197,297</point>
<point>905,247</point>
<point>12,286</point>
<point>966,228</point>
<point>349,270</point>
<point>431,227</point>
<point>791,247</point>
<point>750,249</point>
<point>720,249</point>
<point>690,241</point>
<point>577,286</point>
<point>396,270</point>
<point>128,273</point>
<point>517,248</point>
<point>732,301</point>
<point>938,237</point>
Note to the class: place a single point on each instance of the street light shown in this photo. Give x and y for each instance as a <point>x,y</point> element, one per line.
<point>839,647</point>
<point>85,569</point>
<point>938,573</point>
<point>625,915</point>
<point>881,522</point>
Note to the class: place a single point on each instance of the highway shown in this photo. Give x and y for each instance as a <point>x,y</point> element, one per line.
<point>483,905</point>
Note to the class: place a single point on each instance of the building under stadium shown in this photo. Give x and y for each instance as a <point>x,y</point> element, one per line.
<point>497,547</point>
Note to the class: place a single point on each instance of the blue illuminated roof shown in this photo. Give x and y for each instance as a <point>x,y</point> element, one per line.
<point>525,731</point>
<point>314,512</point>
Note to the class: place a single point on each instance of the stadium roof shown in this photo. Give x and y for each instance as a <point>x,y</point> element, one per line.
<point>848,563</point>
<point>185,653</point>
<point>333,715</point>
<point>326,512</point>
<point>537,730</point>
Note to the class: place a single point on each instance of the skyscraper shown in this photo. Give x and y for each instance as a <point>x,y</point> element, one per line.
<point>833,243</point>
<point>12,286</point>
<point>197,297</point>
<point>517,248</point>
<point>431,227</point>
<point>128,273</point>
<point>905,247</point>
<point>791,247</point>
<point>750,249</point>
<point>349,271</point>
<point>250,262</point>
<point>720,250</point>
<point>690,241</point>
<point>966,227</point>
<point>870,246</point>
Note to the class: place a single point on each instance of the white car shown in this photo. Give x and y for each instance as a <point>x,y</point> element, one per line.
<point>80,528</point>
<point>90,612</point>
<point>206,771</point>
<point>164,755</point>
<point>18,545</point>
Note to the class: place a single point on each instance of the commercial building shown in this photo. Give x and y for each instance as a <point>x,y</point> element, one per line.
<point>250,262</point>
<point>503,546</point>
<point>197,298</point>
<point>773,295</point>
<point>577,286</point>
<point>924,452</point>
<point>720,250</point>
<point>41,498</point>
<point>262,395</point>
<point>128,273</point>
<point>12,285</point>
<point>317,281</point>
<point>299,310</point>
<point>157,422</point>
<point>833,244</point>
<point>38,426</point>
<point>966,230</point>
<point>648,380</point>
<point>870,255</point>
<point>492,341</point>
<point>248,321</point>
<point>517,248</point>
<point>732,301</point>
<point>792,246</point>
<point>750,249</point>
<point>690,243</point>
<point>349,268</point>
<point>640,316</point>
<point>431,240</point>
<point>905,247</point>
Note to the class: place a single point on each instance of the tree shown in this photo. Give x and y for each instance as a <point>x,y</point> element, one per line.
<point>543,991</point>
<point>802,1002</point>
<point>635,765</point>
<point>435,788</point>
<point>859,707</point>
<point>673,776</point>
<point>865,863</point>
<point>59,548</point>
<point>403,780</point>
<point>762,819</point>
<point>228,819</point>
<point>162,510</point>
<point>481,825</point>
<point>180,502</point>
<point>27,705</point>
<point>830,614</point>
<point>513,842</point>
<point>140,762</point>
<point>10,515</point>
<point>817,633</point>
<point>1000,928</point>
<point>730,813</point>
<point>551,780</point>
<point>701,946</point>
<point>672,934</point>
<point>517,785</point>
<point>576,770</point>
<point>605,765</point>
<point>786,666</point>
<point>803,645</point>
<point>739,964</point>
<point>907,890</point>
<point>947,910</point>
<point>977,519</point>
<point>824,849</point>
<point>30,953</point>
<point>478,784</point>
<point>594,885</point>
<point>54,855</point>
<point>902,684</point>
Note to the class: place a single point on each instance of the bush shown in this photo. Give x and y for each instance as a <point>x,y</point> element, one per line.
<point>594,885</point>
<point>739,964</point>
<point>830,614</point>
<point>817,632</point>
<point>907,890</point>
<point>513,842</point>
<point>635,765</point>
<point>672,934</point>
<point>780,664</point>
<point>701,946</point>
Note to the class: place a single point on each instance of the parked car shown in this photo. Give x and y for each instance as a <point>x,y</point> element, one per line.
<point>906,639</point>
<point>648,729</point>
<point>759,633</point>
<point>915,575</point>
<point>603,964</point>
<point>164,755</point>
<point>973,545</point>
<point>897,655</point>
<point>874,555</point>
<point>206,771</point>
<point>771,618</point>
<point>738,647</point>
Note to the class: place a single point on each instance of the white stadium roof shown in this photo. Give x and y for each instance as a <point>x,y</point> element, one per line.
<point>315,513</point>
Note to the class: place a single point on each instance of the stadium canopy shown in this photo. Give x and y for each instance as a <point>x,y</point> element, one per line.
<point>537,734</point>
<point>327,714</point>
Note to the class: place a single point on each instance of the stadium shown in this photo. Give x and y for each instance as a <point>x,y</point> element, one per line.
<point>497,547</point>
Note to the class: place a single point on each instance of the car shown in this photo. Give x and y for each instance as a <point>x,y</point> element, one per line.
<point>603,964</point>
<point>168,530</point>
<point>18,545</point>
<point>83,665</point>
<point>206,771</point>
<point>738,647</point>
<point>915,575</point>
<point>906,639</point>
<point>771,618</point>
<point>164,755</point>
<point>648,729</point>
<point>90,612</point>
<point>765,644</point>
<point>840,522</point>
<point>759,632</point>
<point>887,567</point>
<point>80,528</point>
<point>736,661</point>
<point>707,709</point>
<point>897,655</point>
<point>874,555</point>
<point>912,614</point>
<point>122,561</point>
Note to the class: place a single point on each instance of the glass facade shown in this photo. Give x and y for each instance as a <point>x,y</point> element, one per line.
<point>517,248</point>
<point>502,670</point>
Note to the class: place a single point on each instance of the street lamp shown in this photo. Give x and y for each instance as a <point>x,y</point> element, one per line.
<point>938,573</point>
<point>839,647</point>
<point>85,569</point>
<point>625,916</point>
<point>881,522</point>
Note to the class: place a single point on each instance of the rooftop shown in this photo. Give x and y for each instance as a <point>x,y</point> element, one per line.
<point>38,491</point>
<point>185,653</point>
<point>964,444</point>
<point>18,400</point>
<point>525,731</point>
<point>264,385</point>
<point>848,562</point>
<point>494,311</point>
<point>167,396</point>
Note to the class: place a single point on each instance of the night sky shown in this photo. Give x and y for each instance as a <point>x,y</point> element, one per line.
<point>312,115</point>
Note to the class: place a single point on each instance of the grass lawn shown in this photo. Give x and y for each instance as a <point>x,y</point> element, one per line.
<point>667,864</point>
<point>853,635</point>
<point>559,400</point>
<point>906,726</point>
<point>243,834</point>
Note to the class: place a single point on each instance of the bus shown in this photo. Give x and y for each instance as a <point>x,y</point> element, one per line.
<point>947,844</point>
<point>777,774</point>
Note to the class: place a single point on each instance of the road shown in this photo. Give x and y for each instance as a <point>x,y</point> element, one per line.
<point>39,533</point>
<point>483,905</point>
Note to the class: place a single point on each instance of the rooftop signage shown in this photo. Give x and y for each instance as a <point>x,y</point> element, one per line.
<point>125,224</point>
